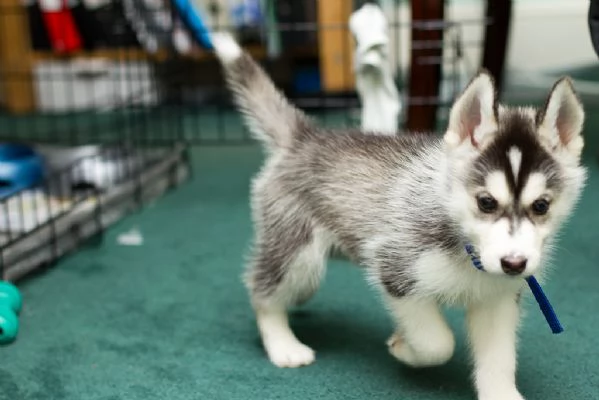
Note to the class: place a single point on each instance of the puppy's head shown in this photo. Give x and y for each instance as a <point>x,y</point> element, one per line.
<point>515,173</point>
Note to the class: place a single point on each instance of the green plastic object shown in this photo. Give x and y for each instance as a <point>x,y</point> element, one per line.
<point>10,295</point>
<point>9,325</point>
<point>10,307</point>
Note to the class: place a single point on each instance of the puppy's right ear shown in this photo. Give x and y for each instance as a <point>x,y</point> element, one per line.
<point>473,116</point>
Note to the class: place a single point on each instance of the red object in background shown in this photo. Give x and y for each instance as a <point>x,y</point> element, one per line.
<point>60,25</point>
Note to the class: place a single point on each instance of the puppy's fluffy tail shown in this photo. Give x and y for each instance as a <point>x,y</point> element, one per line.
<point>268,114</point>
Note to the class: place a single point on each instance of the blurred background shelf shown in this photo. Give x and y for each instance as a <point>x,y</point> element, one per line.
<point>18,58</point>
<point>133,53</point>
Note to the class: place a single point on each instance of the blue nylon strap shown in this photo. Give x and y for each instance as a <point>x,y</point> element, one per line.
<point>537,291</point>
<point>545,305</point>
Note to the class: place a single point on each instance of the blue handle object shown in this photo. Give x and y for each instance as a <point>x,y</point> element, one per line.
<point>10,295</point>
<point>535,287</point>
<point>10,306</point>
<point>20,168</point>
<point>194,23</point>
<point>9,325</point>
<point>545,305</point>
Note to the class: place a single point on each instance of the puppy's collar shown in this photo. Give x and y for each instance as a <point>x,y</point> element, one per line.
<point>535,287</point>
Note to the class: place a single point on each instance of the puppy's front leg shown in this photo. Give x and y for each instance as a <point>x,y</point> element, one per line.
<point>492,327</point>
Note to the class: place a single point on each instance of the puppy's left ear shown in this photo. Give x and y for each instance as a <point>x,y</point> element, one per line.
<point>560,122</point>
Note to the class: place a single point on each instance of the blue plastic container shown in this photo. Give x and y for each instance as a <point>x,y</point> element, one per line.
<point>20,168</point>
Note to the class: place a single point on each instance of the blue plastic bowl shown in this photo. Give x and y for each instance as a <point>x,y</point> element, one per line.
<point>20,168</point>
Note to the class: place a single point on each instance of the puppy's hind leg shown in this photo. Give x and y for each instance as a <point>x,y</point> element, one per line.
<point>286,270</point>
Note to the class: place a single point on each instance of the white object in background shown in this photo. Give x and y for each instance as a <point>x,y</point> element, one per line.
<point>93,164</point>
<point>376,88</point>
<point>131,238</point>
<point>28,210</point>
<point>104,171</point>
<point>181,39</point>
<point>95,83</point>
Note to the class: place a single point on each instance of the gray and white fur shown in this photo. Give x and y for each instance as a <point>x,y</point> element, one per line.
<point>501,179</point>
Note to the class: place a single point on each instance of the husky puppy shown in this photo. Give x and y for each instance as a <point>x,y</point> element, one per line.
<point>501,179</point>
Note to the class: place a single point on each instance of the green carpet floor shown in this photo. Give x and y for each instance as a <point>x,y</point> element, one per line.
<point>170,319</point>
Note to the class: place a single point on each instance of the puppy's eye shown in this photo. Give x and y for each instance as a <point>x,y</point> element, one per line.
<point>540,206</point>
<point>486,203</point>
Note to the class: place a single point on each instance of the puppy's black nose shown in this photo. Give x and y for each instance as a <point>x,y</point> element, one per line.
<point>513,265</point>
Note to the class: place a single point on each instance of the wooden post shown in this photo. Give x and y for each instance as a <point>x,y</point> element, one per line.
<point>499,13</point>
<point>425,64</point>
<point>15,58</point>
<point>336,47</point>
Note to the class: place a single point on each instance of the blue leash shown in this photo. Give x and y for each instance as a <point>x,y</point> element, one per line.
<point>537,291</point>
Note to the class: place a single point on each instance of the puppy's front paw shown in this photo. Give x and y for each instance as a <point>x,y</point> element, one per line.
<point>289,353</point>
<point>401,350</point>
<point>394,343</point>
<point>432,355</point>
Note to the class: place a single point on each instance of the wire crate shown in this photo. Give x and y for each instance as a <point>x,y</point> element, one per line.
<point>114,118</point>
<point>78,201</point>
<point>109,139</point>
